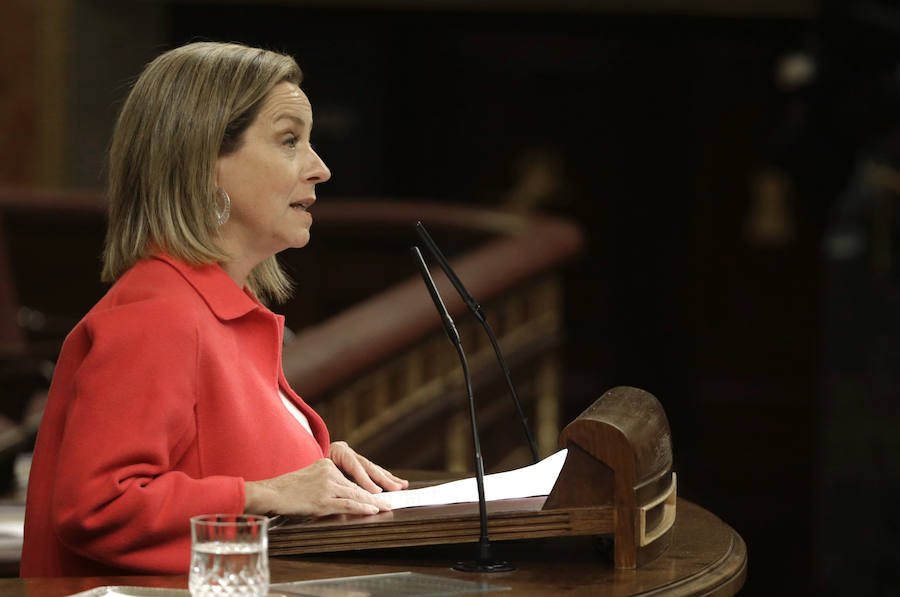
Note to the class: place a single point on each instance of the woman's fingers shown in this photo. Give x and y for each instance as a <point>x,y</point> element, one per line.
<point>385,478</point>
<point>354,465</point>
<point>346,491</point>
<point>368,475</point>
<point>353,492</point>
<point>317,490</point>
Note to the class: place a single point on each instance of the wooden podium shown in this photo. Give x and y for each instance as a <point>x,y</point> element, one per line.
<point>707,557</point>
<point>617,480</point>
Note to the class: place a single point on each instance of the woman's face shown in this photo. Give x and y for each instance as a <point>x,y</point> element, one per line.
<point>271,179</point>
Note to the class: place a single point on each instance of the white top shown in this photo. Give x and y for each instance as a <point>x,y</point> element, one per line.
<point>301,418</point>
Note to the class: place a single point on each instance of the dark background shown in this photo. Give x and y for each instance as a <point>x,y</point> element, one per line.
<point>656,127</point>
<point>775,358</point>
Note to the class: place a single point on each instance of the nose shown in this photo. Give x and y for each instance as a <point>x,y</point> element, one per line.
<point>317,171</point>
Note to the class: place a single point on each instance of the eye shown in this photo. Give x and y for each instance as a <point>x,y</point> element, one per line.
<point>292,141</point>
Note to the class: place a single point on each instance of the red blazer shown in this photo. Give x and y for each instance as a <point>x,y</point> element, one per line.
<point>164,400</point>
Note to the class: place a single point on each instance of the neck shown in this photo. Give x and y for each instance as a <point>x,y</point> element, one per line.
<point>242,260</point>
<point>237,271</point>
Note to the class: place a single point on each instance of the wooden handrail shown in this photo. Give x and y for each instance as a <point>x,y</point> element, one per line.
<point>520,247</point>
<point>346,345</point>
<point>24,198</point>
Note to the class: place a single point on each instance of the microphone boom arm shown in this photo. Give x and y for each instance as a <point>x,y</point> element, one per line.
<point>482,318</point>
<point>484,563</point>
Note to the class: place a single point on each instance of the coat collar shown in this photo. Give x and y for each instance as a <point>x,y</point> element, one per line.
<point>221,293</point>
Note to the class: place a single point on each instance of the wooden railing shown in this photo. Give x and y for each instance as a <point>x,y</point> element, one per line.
<point>383,373</point>
<point>369,352</point>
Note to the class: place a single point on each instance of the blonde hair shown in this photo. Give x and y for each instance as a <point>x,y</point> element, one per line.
<point>189,106</point>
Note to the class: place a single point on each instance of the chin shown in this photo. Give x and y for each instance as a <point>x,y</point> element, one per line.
<point>300,242</point>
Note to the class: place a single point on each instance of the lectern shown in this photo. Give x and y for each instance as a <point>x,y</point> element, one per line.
<point>617,481</point>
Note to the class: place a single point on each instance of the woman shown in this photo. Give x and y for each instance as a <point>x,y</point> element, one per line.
<point>168,398</point>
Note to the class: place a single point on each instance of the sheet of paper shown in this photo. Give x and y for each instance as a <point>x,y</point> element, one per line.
<point>533,480</point>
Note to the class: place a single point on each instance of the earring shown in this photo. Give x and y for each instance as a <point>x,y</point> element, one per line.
<point>223,213</point>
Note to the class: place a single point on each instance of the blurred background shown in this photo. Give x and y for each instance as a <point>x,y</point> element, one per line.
<point>732,166</point>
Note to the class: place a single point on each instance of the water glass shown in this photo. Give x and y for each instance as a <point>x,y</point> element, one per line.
<point>229,555</point>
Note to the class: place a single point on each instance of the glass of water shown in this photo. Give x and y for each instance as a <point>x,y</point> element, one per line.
<point>229,555</point>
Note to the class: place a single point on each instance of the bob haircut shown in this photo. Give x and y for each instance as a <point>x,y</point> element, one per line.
<point>189,106</point>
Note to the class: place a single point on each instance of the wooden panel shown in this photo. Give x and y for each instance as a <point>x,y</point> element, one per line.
<point>595,494</point>
<point>706,558</point>
<point>18,116</point>
<point>458,523</point>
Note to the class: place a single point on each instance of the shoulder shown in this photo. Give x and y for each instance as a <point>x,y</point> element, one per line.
<point>150,279</point>
<point>151,298</point>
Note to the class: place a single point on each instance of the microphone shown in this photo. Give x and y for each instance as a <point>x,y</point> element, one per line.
<point>475,308</point>
<point>484,563</point>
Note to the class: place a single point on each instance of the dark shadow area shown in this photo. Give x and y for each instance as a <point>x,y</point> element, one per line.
<point>650,131</point>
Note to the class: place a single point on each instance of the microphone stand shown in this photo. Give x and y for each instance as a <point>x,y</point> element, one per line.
<point>475,308</point>
<point>485,561</point>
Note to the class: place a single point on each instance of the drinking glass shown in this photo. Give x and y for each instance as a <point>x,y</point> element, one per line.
<point>229,555</point>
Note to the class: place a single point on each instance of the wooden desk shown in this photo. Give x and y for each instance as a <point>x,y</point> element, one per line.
<point>707,557</point>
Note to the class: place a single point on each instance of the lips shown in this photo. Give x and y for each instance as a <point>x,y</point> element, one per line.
<point>303,204</point>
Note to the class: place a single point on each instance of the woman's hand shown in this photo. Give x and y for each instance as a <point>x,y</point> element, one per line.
<point>367,475</point>
<point>317,490</point>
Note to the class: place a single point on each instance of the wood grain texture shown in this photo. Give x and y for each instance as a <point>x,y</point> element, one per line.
<point>625,445</point>
<point>385,325</point>
<point>617,446</point>
<point>19,119</point>
<point>436,525</point>
<point>706,557</point>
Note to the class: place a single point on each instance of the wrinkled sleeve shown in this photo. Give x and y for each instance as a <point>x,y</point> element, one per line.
<point>116,498</point>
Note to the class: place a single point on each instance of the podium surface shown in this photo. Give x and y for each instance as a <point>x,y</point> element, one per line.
<point>617,480</point>
<point>706,557</point>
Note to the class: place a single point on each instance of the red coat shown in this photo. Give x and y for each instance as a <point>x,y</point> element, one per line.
<point>164,400</point>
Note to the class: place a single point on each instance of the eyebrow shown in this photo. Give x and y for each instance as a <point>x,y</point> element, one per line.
<point>299,121</point>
